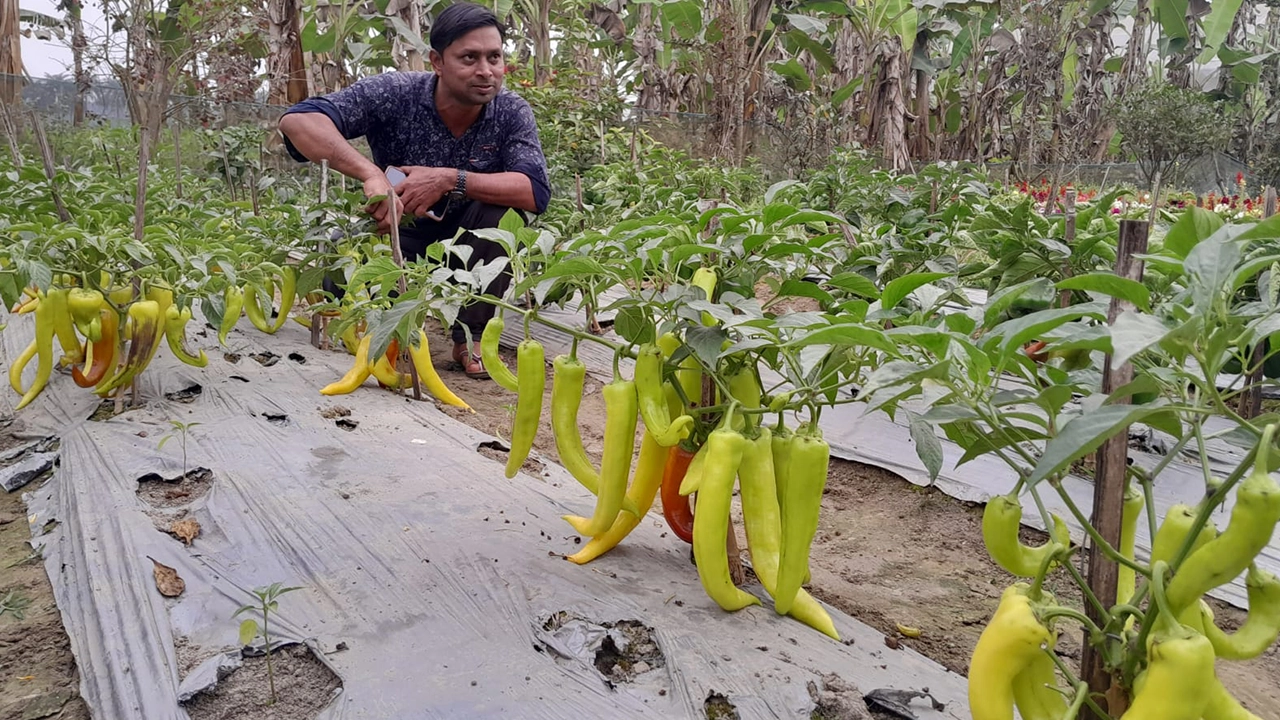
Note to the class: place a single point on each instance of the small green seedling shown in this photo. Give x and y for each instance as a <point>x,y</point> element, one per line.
<point>249,628</point>
<point>15,604</point>
<point>181,430</point>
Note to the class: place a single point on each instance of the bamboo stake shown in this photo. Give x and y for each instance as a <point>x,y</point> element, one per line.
<point>46,156</point>
<point>11,134</point>
<point>1250,401</point>
<point>1111,470</point>
<point>398,256</point>
<point>1068,236</point>
<point>319,322</point>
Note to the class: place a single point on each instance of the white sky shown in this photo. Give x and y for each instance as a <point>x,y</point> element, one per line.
<point>43,58</point>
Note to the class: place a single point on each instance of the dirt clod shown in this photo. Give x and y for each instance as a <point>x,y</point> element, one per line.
<point>838,699</point>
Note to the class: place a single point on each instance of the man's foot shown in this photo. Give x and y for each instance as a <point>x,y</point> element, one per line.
<point>469,362</point>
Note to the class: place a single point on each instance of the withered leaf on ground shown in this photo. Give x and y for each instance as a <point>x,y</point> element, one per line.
<point>167,580</point>
<point>185,530</point>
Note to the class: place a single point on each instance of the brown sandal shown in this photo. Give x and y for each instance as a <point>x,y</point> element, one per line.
<point>469,363</point>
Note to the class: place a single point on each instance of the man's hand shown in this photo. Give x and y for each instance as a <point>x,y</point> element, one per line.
<point>380,185</point>
<point>423,187</point>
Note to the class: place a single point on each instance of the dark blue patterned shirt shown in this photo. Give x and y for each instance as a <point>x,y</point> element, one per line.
<point>396,114</point>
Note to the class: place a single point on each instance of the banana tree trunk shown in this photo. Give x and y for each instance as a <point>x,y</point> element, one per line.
<point>893,106</point>
<point>407,56</point>
<point>78,45</point>
<point>728,73</point>
<point>286,73</point>
<point>540,35</point>
<point>847,57</point>
<point>10,53</point>
<point>922,144</point>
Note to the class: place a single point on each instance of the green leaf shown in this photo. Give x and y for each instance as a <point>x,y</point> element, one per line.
<point>1194,225</point>
<point>511,221</point>
<point>1222,13</point>
<point>315,42</point>
<point>705,342</point>
<point>848,335</point>
<point>856,284</point>
<point>804,288</point>
<point>900,372</point>
<point>1111,285</point>
<point>1133,333</point>
<point>1268,229</point>
<point>928,448</point>
<point>633,325</point>
<point>579,267</point>
<point>248,631</point>
<point>394,322</point>
<point>794,73</point>
<point>846,91</point>
<point>1038,288</point>
<point>900,288</point>
<point>1210,266</point>
<point>811,26</point>
<point>773,212</point>
<point>1015,333</point>
<point>1087,433</point>
<point>685,16</point>
<point>1172,16</point>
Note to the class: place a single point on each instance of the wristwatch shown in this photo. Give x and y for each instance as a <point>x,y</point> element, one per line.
<point>459,191</point>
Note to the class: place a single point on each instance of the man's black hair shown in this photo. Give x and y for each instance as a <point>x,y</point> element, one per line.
<point>459,19</point>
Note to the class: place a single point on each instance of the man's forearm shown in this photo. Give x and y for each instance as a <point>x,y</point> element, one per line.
<point>508,189</point>
<point>317,138</point>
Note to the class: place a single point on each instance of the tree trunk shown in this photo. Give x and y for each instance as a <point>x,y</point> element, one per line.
<point>78,45</point>
<point>847,68</point>
<point>540,35</point>
<point>728,71</point>
<point>921,134</point>
<point>286,74</point>
<point>407,56</point>
<point>893,105</point>
<point>10,54</point>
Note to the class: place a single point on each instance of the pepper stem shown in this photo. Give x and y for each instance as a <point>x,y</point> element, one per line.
<point>1264,451</point>
<point>1164,615</point>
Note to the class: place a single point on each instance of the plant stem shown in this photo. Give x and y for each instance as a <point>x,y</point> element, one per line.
<point>1082,694</point>
<point>1085,589</point>
<point>533,315</point>
<point>1095,536</point>
<point>266,638</point>
<point>1076,615</point>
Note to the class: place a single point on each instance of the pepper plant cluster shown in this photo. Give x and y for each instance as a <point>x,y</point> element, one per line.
<point>737,326</point>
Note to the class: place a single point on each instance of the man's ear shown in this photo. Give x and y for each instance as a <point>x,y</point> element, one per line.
<point>435,58</point>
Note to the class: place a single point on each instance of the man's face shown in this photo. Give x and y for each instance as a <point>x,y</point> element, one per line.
<point>471,69</point>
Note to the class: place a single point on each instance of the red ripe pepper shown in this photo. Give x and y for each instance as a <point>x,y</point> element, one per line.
<point>675,507</point>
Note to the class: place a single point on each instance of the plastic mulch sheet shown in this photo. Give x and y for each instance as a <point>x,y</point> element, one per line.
<point>432,586</point>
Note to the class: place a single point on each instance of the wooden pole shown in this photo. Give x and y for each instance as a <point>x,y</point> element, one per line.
<point>398,256</point>
<point>46,156</point>
<point>1110,472</point>
<point>317,320</point>
<point>177,160</point>
<point>11,134</point>
<point>1250,401</point>
<point>1068,237</point>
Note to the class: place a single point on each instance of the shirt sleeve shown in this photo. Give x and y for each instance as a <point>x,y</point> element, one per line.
<point>522,153</point>
<point>355,109</point>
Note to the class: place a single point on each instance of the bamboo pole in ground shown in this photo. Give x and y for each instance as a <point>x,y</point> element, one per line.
<point>1109,476</point>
